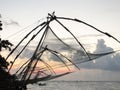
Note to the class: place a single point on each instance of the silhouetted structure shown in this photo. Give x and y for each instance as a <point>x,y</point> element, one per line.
<point>7,81</point>
<point>49,47</point>
<point>0,25</point>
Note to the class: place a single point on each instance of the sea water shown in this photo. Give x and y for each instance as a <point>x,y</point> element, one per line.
<point>76,85</point>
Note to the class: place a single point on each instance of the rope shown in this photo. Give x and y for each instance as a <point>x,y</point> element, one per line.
<point>24,29</point>
<point>80,21</point>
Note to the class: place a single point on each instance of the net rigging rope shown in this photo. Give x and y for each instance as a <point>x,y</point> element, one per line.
<point>21,31</point>
<point>53,50</point>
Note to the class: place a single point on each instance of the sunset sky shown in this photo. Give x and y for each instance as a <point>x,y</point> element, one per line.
<point>103,14</point>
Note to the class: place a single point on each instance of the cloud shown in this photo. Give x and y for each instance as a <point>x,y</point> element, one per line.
<point>11,22</point>
<point>101,47</point>
<point>7,21</point>
<point>109,62</point>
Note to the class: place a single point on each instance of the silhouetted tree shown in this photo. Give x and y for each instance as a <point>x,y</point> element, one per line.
<point>3,63</point>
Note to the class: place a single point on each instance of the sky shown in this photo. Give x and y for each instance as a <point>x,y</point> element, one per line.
<point>103,14</point>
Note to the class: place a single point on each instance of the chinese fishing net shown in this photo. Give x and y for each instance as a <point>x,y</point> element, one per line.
<point>47,54</point>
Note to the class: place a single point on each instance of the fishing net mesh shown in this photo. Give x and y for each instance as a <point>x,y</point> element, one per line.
<point>54,55</point>
<point>57,55</point>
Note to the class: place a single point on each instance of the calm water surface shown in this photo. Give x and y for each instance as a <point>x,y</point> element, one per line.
<point>76,85</point>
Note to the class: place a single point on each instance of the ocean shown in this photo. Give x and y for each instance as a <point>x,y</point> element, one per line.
<point>76,85</point>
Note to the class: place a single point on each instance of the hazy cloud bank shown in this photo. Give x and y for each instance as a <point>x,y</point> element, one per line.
<point>110,62</point>
<point>8,21</point>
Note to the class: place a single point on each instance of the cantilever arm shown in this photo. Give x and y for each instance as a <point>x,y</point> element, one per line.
<point>80,21</point>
